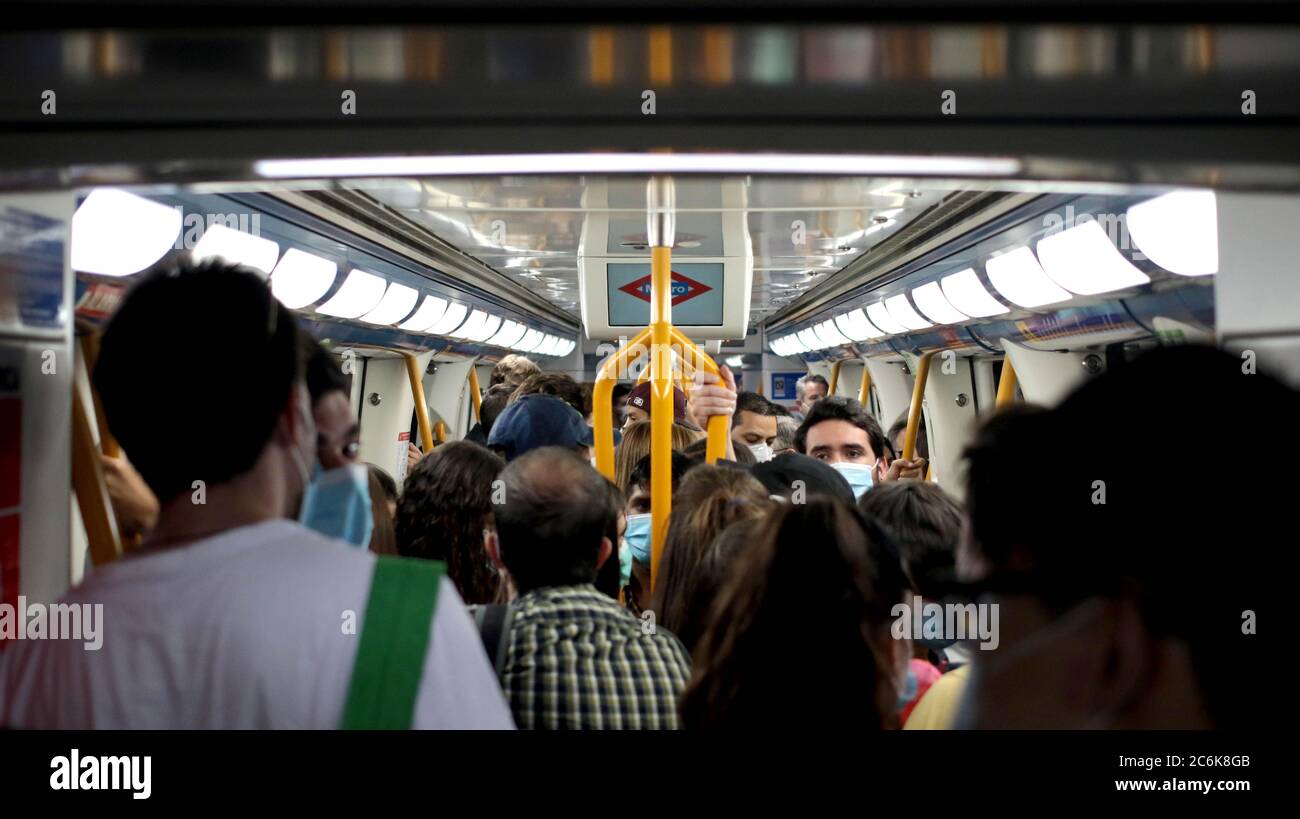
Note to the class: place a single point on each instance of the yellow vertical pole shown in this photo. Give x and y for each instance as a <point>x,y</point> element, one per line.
<point>914,412</point>
<point>661,402</point>
<point>1006,385</point>
<point>414,375</point>
<point>864,389</point>
<point>474,395</point>
<point>835,377</point>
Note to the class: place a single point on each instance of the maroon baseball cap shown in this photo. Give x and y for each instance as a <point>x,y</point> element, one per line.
<point>640,398</point>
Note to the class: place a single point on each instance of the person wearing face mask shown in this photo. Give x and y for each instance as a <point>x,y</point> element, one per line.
<point>754,425</point>
<point>838,432</point>
<point>1127,595</point>
<point>221,619</point>
<point>637,534</point>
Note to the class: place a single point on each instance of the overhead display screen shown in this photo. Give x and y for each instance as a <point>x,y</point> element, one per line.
<point>696,287</point>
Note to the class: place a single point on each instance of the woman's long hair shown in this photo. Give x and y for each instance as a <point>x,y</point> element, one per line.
<point>636,445</point>
<point>445,504</point>
<point>708,500</point>
<point>800,634</point>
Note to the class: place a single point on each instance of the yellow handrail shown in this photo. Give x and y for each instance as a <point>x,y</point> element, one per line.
<point>474,395</point>
<point>864,389</point>
<point>90,354</point>
<point>835,377</point>
<point>421,405</point>
<point>914,412</point>
<point>1006,385</point>
<point>602,400</point>
<point>88,483</point>
<point>440,432</point>
<point>716,446</point>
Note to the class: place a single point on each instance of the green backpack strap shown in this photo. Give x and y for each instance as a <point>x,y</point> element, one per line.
<point>394,640</point>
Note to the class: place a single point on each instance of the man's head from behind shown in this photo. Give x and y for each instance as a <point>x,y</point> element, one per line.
<point>1127,584</point>
<point>534,421</point>
<point>552,529</point>
<point>178,332</point>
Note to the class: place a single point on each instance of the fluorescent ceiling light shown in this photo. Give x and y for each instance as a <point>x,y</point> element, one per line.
<point>810,339</point>
<point>883,319</point>
<point>115,233</point>
<point>431,309</point>
<point>1178,231</point>
<point>302,278</point>
<point>565,347</point>
<point>472,326</point>
<point>780,346</point>
<point>236,247</point>
<point>903,311</point>
<point>484,330</point>
<point>531,339</point>
<point>508,335</point>
<point>647,163</point>
<point>855,326</point>
<point>794,345</point>
<point>548,345</point>
<point>361,292</point>
<point>932,304</point>
<point>828,332</point>
<point>965,293</point>
<point>397,304</point>
<point>1083,260</point>
<point>1018,276</point>
<point>450,320</point>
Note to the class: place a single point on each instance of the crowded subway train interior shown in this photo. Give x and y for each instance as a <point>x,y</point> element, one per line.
<point>628,427</point>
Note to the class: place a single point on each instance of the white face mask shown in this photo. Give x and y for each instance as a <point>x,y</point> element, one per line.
<point>762,452</point>
<point>859,476</point>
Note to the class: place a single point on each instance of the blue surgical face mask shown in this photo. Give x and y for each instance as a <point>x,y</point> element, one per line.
<point>624,564</point>
<point>638,537</point>
<point>908,691</point>
<point>859,476</point>
<point>336,503</point>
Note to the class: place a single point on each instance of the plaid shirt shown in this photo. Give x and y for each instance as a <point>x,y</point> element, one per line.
<point>577,659</point>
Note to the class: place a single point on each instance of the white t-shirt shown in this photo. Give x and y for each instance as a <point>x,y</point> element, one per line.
<point>242,630</point>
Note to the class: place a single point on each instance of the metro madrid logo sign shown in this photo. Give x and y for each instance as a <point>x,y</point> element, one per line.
<point>683,288</point>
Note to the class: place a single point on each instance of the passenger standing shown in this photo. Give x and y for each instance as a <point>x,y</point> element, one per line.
<point>229,615</point>
<point>839,432</point>
<point>710,499</point>
<point>573,657</point>
<point>444,511</point>
<point>1128,587</point>
<point>800,634</point>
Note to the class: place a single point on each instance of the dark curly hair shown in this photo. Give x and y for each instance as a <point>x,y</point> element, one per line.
<point>440,516</point>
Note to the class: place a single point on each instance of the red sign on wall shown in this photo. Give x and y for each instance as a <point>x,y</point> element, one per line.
<point>683,288</point>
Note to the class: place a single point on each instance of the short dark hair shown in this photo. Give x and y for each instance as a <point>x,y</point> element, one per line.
<point>183,320</point>
<point>922,440</point>
<point>556,511</point>
<point>441,514</point>
<point>323,373</point>
<point>494,401</point>
<point>640,475</point>
<point>840,408</point>
<point>814,378</point>
<point>755,403</point>
<point>699,449</point>
<point>1193,570</point>
<point>925,523</point>
<point>561,385</point>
